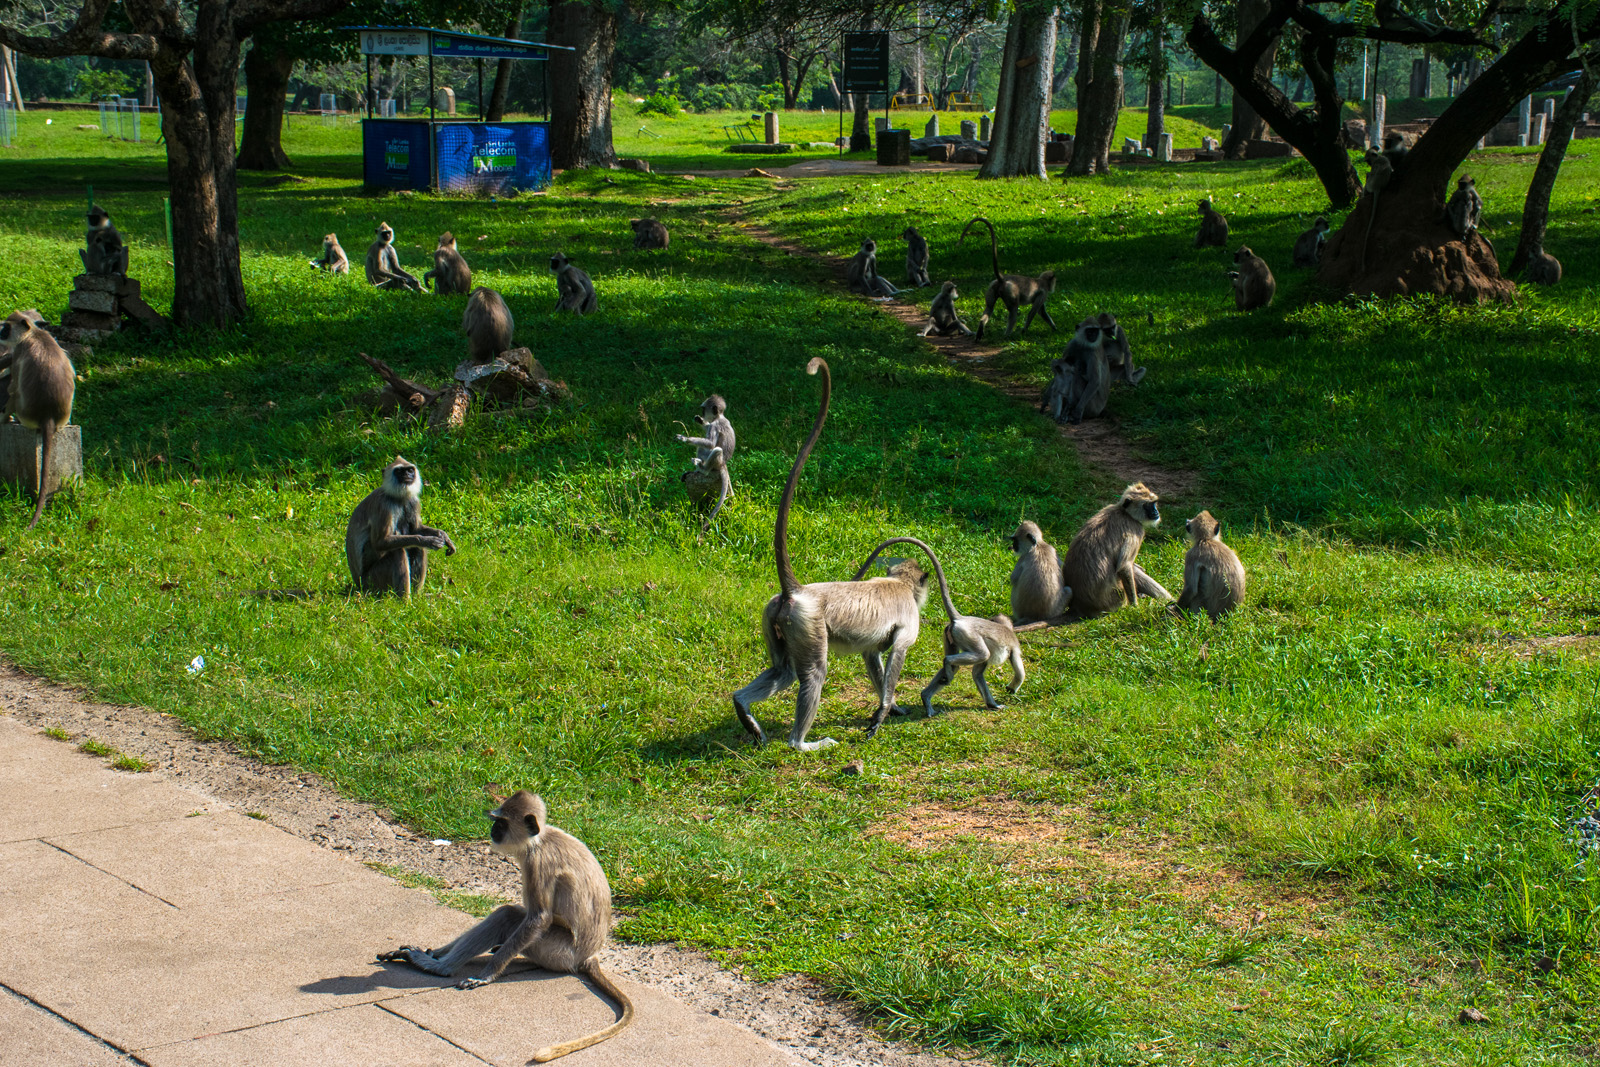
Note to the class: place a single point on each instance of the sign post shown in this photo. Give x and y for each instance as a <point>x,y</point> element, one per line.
<point>866,70</point>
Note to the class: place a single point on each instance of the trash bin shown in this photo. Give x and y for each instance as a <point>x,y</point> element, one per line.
<point>894,148</point>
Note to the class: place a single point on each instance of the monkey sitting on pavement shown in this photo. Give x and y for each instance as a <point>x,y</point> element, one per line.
<point>105,252</point>
<point>450,273</point>
<point>42,384</point>
<point>488,325</point>
<point>649,234</point>
<point>574,289</point>
<point>383,263</point>
<point>803,623</point>
<point>1100,565</point>
<point>1253,283</point>
<point>561,924</point>
<point>385,543</point>
<point>1037,590</point>
<point>943,319</point>
<point>709,475</point>
<point>1213,577</point>
<point>1308,246</point>
<point>861,273</point>
<point>1213,232</point>
<point>969,641</point>
<point>333,260</point>
<point>1013,290</point>
<point>916,257</point>
<point>1082,377</point>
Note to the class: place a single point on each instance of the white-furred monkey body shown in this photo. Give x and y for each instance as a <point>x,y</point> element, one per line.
<point>385,543</point>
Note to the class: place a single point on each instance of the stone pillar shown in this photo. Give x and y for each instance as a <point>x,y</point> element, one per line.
<point>1525,119</point>
<point>769,125</point>
<point>22,451</point>
<point>1536,131</point>
<point>1209,144</point>
<point>1379,106</point>
<point>932,128</point>
<point>984,126</point>
<point>446,101</point>
<point>879,123</point>
<point>969,130</point>
<point>1227,128</point>
<point>1164,148</point>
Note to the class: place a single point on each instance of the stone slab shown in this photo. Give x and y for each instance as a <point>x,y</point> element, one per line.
<point>158,979</point>
<point>364,1035</point>
<point>32,1037</point>
<point>81,794</point>
<point>89,300</point>
<point>208,859</point>
<point>43,888</point>
<point>22,452</point>
<point>500,1023</point>
<point>96,283</point>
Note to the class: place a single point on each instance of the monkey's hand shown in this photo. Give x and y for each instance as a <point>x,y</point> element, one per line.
<point>449,545</point>
<point>401,954</point>
<point>474,983</point>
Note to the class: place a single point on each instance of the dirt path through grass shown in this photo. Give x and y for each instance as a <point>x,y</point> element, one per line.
<point>1099,442</point>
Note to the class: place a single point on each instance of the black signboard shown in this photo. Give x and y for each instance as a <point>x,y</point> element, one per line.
<point>866,62</point>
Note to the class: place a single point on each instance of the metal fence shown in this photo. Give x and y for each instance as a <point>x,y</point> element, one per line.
<point>8,123</point>
<point>330,109</point>
<point>120,118</point>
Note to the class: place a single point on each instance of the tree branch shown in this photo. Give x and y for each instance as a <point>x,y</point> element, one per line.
<point>85,37</point>
<point>249,14</point>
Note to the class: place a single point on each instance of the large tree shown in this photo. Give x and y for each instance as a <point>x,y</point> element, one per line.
<point>580,80</point>
<point>1102,31</point>
<point>1022,101</point>
<point>193,48</point>
<point>1536,207</point>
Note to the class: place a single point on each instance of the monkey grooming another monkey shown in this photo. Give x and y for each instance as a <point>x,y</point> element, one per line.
<point>450,273</point>
<point>333,260</point>
<point>1038,592</point>
<point>1465,210</point>
<point>1014,289</point>
<point>1100,565</point>
<point>574,290</point>
<point>712,455</point>
<point>803,623</point>
<point>916,257</point>
<point>1213,577</point>
<point>487,323</point>
<point>42,383</point>
<point>385,543</point>
<point>383,263</point>
<point>969,641</point>
<point>943,319</point>
<point>105,252</point>
<point>1213,232</point>
<point>649,234</point>
<point>1378,179</point>
<point>1308,246</point>
<point>561,924</point>
<point>861,273</point>
<point>1081,386</point>
<point>1253,284</point>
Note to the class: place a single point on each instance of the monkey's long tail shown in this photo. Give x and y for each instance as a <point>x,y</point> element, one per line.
<point>598,977</point>
<point>720,501</point>
<point>780,530</point>
<point>994,242</point>
<point>944,589</point>
<point>44,468</point>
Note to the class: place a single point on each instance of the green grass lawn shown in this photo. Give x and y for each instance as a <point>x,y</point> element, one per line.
<point>1310,834</point>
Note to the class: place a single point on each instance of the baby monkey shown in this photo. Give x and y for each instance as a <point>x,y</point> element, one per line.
<point>333,260</point>
<point>712,452</point>
<point>1213,577</point>
<point>561,924</point>
<point>385,543</point>
<point>574,289</point>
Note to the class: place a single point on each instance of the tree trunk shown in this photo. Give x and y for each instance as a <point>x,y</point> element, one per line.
<point>1104,27</point>
<point>580,81</point>
<point>266,79</point>
<point>861,122</point>
<point>1536,209</point>
<point>1156,98</point>
<point>784,79</point>
<point>1248,125</point>
<point>502,78</point>
<point>1022,102</point>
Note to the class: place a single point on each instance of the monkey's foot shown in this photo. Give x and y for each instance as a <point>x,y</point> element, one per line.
<point>401,954</point>
<point>813,746</point>
<point>928,710</point>
<point>898,710</point>
<point>995,707</point>
<point>473,983</point>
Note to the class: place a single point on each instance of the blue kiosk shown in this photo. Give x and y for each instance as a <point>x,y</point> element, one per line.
<point>451,156</point>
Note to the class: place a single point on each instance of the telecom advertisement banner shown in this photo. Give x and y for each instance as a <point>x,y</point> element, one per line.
<point>395,154</point>
<point>478,158</point>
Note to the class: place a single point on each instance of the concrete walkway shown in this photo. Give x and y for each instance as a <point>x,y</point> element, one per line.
<point>142,922</point>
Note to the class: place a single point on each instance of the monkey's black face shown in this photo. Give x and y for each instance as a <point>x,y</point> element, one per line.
<point>385,234</point>
<point>1091,334</point>
<point>405,475</point>
<point>1152,514</point>
<point>498,830</point>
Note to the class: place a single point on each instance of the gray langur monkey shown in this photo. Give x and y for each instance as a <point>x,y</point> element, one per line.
<point>803,623</point>
<point>561,924</point>
<point>709,476</point>
<point>1213,232</point>
<point>105,251</point>
<point>861,273</point>
<point>969,641</point>
<point>1308,246</point>
<point>1378,179</point>
<point>1213,577</point>
<point>1100,565</point>
<point>649,234</point>
<point>1012,289</point>
<point>1253,283</point>
<point>1038,592</point>
<point>488,324</point>
<point>1543,268</point>
<point>943,319</point>
<point>1464,212</point>
<point>1395,150</point>
<point>383,263</point>
<point>450,273</point>
<point>916,258</point>
<point>1082,377</point>
<point>42,383</point>
<point>385,543</point>
<point>574,289</point>
<point>333,260</point>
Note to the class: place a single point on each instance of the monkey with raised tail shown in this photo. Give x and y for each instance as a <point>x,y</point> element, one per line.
<point>1013,290</point>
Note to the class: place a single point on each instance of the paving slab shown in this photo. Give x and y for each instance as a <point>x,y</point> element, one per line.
<point>72,793</point>
<point>208,859</point>
<point>364,1035</point>
<point>32,1037</point>
<point>45,889</point>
